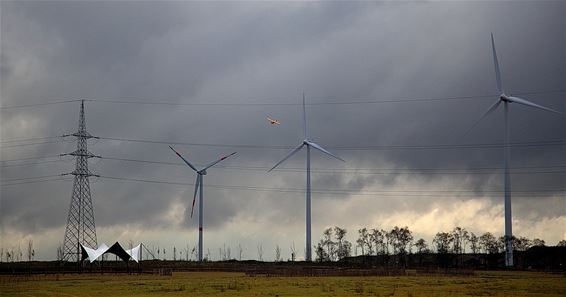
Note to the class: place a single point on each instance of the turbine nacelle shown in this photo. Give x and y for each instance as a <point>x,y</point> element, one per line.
<point>505,98</point>
<point>202,172</point>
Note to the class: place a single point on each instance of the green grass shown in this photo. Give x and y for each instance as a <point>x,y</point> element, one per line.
<point>237,284</point>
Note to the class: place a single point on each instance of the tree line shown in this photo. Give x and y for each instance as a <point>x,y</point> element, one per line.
<point>333,246</point>
<point>400,241</point>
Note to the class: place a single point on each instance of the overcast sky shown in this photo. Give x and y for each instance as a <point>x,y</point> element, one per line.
<point>401,164</point>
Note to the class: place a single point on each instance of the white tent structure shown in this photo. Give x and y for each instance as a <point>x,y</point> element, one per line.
<point>116,249</point>
<point>135,253</point>
<point>93,254</point>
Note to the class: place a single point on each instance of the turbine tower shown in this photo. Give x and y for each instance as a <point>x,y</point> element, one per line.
<point>308,143</point>
<point>80,221</point>
<point>506,100</point>
<point>199,185</point>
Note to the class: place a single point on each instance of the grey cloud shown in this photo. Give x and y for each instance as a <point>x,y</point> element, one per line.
<point>272,52</point>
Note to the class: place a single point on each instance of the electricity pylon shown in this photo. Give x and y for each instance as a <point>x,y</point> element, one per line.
<point>80,221</point>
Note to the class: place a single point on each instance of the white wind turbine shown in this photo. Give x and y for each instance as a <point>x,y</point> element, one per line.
<point>506,100</point>
<point>308,143</point>
<point>199,184</point>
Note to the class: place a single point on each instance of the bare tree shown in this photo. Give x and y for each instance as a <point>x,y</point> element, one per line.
<point>489,243</point>
<point>194,252</point>
<point>60,252</point>
<point>388,241</point>
<point>521,243</point>
<point>377,237</point>
<point>330,245</point>
<point>225,252</point>
<point>363,238</point>
<point>30,250</point>
<point>174,253</point>
<point>321,254</point>
<point>293,252</point>
<point>460,236</point>
<point>561,243</point>
<point>403,239</point>
<point>422,246</point>
<point>442,241</point>
<point>474,240</point>
<point>1,254</point>
<point>277,253</point>
<point>465,240</point>
<point>394,239</point>
<point>259,252</point>
<point>344,247</point>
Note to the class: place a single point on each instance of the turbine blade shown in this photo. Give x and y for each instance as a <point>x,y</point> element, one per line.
<point>305,118</point>
<point>288,156</point>
<point>320,148</point>
<point>490,110</point>
<point>186,161</point>
<point>217,161</point>
<point>531,104</point>
<point>197,184</point>
<point>496,63</point>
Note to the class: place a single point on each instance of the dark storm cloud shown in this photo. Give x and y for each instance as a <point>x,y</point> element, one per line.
<point>272,52</point>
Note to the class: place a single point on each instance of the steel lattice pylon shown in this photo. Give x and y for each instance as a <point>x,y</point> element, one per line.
<point>80,221</point>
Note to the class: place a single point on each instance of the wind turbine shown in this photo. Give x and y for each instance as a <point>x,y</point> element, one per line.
<point>506,100</point>
<point>199,185</point>
<point>308,143</point>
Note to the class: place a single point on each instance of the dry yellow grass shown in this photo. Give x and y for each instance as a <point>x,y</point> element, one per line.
<point>237,284</point>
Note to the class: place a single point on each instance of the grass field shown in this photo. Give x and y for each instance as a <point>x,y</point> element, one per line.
<point>237,284</point>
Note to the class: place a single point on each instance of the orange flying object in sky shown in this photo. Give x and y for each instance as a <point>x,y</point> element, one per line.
<point>272,121</point>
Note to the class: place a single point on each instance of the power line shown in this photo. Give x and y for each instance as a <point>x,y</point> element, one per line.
<point>376,171</point>
<point>354,102</point>
<point>30,158</point>
<point>34,182</point>
<point>29,164</point>
<point>351,148</point>
<point>416,193</point>
<point>244,104</point>
<point>28,178</point>
<point>556,142</point>
<point>28,139</point>
<point>401,193</point>
<point>28,144</point>
<point>38,104</point>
